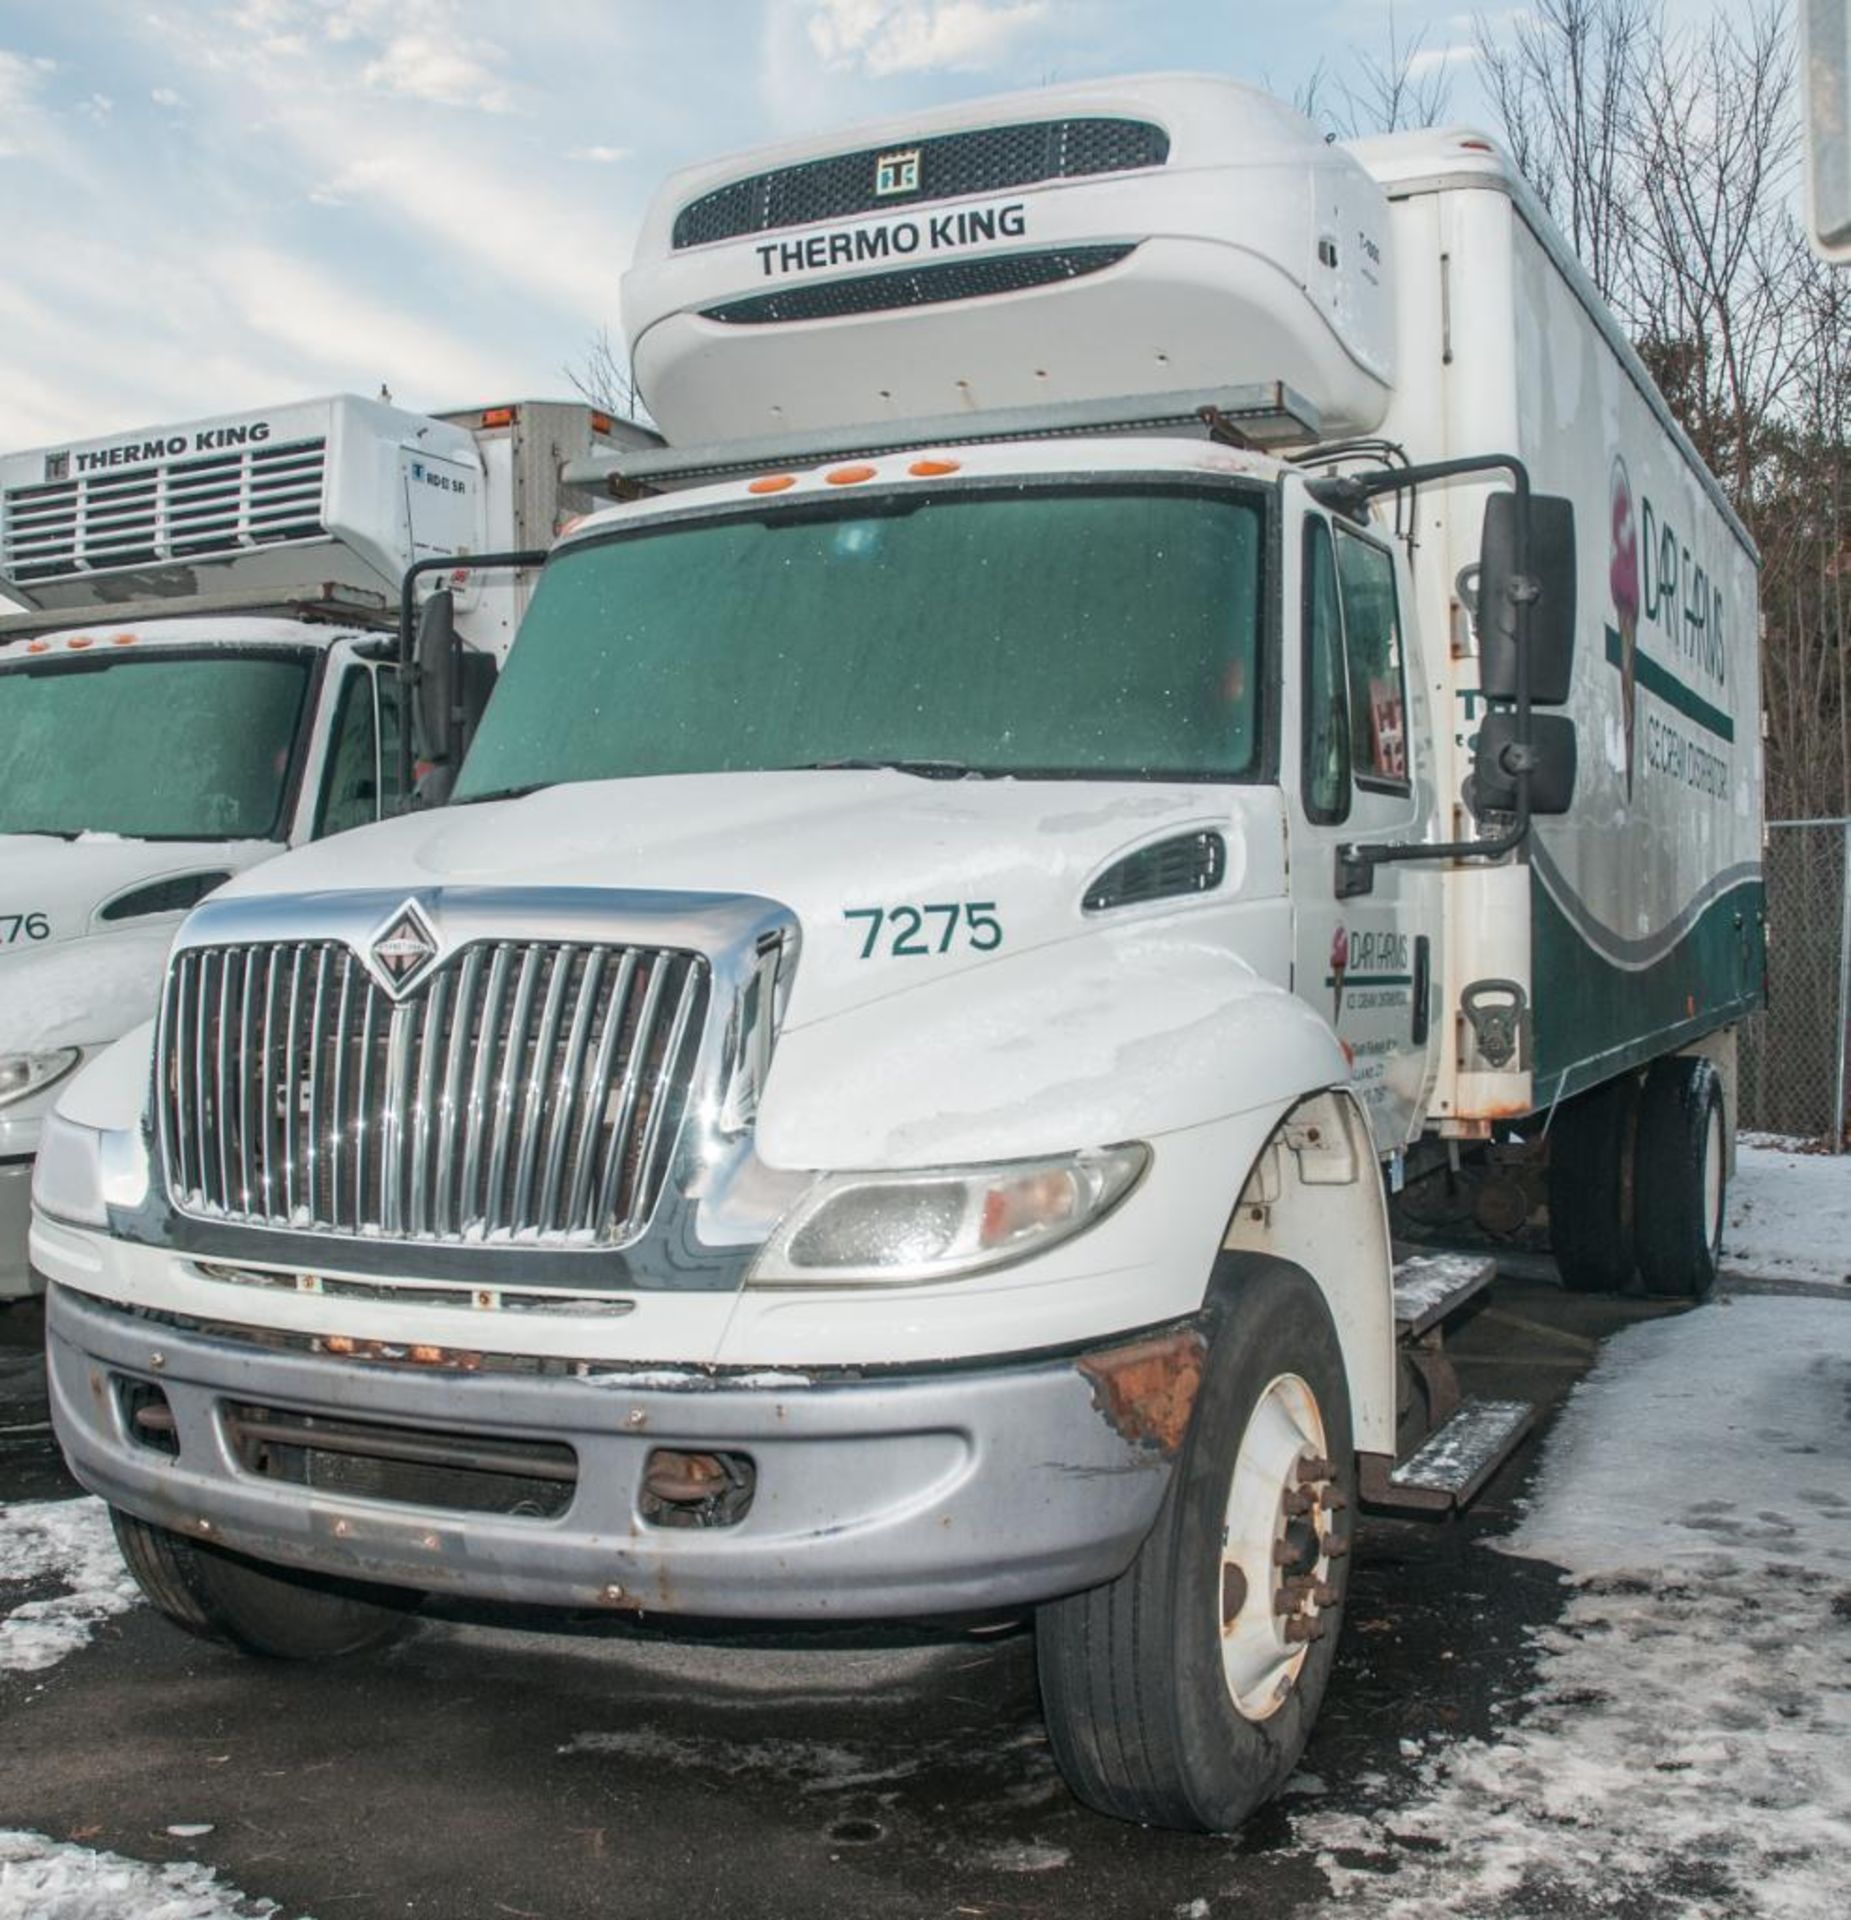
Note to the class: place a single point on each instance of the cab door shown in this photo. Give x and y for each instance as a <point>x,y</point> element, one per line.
<point>1368,963</point>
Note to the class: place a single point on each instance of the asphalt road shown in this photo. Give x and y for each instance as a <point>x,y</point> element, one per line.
<point>525,1764</point>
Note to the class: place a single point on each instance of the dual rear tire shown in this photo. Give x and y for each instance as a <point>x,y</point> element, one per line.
<point>1637,1175</point>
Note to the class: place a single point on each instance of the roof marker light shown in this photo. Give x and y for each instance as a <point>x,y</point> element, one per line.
<point>38,646</point>
<point>932,469</point>
<point>124,640</point>
<point>1477,146</point>
<point>848,476</point>
<point>600,423</point>
<point>771,483</point>
<point>498,416</point>
<point>78,641</point>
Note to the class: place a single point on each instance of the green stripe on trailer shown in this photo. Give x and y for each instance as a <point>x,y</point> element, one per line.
<point>1603,1004</point>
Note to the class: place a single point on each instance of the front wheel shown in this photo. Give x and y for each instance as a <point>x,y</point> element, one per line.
<point>273,1611</point>
<point>1182,1694</point>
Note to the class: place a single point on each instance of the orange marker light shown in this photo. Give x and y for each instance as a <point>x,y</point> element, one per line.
<point>600,423</point>
<point>498,416</point>
<point>78,641</point>
<point>771,483</point>
<point>38,646</point>
<point>848,476</point>
<point>123,640</point>
<point>932,469</point>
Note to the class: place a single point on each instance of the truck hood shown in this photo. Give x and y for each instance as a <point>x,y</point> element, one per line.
<point>67,976</point>
<point>832,846</point>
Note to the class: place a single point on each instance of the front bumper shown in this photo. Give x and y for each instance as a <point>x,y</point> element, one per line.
<point>16,1276</point>
<point>932,1492</point>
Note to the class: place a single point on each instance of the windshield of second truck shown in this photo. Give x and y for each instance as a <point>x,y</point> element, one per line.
<point>1086,633</point>
<point>149,745</point>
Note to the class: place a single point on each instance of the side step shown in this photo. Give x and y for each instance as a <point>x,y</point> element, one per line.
<point>1430,1286</point>
<point>1448,1468</point>
<point>1470,1438</point>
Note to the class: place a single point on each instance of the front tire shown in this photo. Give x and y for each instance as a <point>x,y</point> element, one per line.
<point>1182,1694</point>
<point>271,1611</point>
<point>1683,1166</point>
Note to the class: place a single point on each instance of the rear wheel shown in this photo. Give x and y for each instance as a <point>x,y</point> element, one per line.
<point>1591,1187</point>
<point>1683,1166</point>
<point>274,1611</point>
<point>1182,1694</point>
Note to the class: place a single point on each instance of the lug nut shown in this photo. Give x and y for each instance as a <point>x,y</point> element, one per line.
<point>1332,1547</point>
<point>1299,1627</point>
<point>1312,1470</point>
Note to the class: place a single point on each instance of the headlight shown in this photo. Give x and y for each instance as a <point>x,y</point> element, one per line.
<point>24,1073</point>
<point>902,1229</point>
<point>67,1175</point>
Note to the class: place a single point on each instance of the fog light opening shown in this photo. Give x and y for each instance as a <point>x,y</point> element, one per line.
<point>147,1417</point>
<point>682,1488</point>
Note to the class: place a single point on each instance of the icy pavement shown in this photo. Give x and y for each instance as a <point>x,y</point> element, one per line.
<point>67,1543</point>
<point>1789,1214</point>
<point>1685,1749</point>
<point>43,1879</point>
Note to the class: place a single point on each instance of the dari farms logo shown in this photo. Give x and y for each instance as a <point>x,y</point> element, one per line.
<point>1623,585</point>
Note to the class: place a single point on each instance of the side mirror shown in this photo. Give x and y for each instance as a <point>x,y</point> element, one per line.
<point>1551,573</point>
<point>1492,787</point>
<point>434,677</point>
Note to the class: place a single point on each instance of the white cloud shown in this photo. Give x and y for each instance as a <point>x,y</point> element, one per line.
<point>444,72</point>
<point>606,156</point>
<point>166,97</point>
<point>349,340</point>
<point>884,37</point>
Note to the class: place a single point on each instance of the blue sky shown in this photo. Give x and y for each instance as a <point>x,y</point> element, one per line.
<point>214,204</point>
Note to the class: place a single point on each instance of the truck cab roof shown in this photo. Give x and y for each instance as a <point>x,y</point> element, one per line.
<point>190,631</point>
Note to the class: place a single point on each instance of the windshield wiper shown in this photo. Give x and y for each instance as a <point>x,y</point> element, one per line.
<point>919,769</point>
<point>43,833</point>
<point>502,793</point>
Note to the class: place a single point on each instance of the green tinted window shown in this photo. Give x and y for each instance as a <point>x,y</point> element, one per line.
<point>1327,718</point>
<point>1378,683</point>
<point>151,745</point>
<point>1073,632</point>
<point>350,790</point>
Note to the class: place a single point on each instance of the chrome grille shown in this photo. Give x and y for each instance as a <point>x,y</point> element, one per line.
<point>981,160</point>
<point>189,507</point>
<point>525,1091</point>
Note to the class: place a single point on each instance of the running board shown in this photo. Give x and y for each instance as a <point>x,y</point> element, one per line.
<point>1447,1470</point>
<point>1430,1286</point>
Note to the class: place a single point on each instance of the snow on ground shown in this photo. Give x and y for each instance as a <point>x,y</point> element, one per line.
<point>70,1542</point>
<point>1789,1214</point>
<point>1685,1749</point>
<point>43,1879</point>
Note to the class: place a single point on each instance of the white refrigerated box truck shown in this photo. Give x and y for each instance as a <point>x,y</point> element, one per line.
<point>1172,679</point>
<point>203,672</point>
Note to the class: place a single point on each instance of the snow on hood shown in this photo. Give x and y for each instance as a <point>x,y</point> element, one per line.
<point>824,844</point>
<point>83,980</point>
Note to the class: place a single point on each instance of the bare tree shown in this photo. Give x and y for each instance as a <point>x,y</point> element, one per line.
<point>1568,88</point>
<point>605,377</point>
<point>1407,85</point>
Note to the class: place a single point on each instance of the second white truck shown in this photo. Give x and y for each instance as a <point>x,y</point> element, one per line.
<point>1173,679</point>
<point>204,671</point>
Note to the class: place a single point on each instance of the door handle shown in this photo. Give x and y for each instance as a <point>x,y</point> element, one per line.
<point>1423,969</point>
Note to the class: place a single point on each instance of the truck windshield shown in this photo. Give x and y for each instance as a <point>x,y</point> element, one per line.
<point>1081,633</point>
<point>154,745</point>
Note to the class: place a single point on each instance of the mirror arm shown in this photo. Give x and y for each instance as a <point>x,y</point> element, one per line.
<point>408,626</point>
<point>1349,493</point>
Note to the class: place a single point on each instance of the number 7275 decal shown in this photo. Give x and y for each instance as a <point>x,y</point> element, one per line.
<point>912,931</point>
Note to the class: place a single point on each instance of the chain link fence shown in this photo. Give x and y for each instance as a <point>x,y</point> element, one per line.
<point>1794,1056</point>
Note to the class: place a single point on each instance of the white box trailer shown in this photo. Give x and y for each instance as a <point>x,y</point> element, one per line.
<point>1053,794</point>
<point>203,671</point>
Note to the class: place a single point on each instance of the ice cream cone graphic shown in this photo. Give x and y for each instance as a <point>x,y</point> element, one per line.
<point>1623,583</point>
